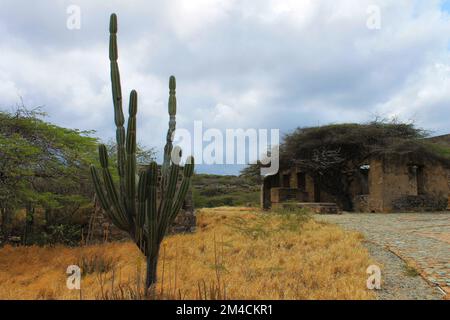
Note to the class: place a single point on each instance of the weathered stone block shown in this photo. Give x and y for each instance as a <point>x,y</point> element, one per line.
<point>278,195</point>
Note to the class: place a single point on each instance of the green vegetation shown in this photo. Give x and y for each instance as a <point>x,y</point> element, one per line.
<point>211,191</point>
<point>135,207</point>
<point>46,193</point>
<point>44,178</point>
<point>440,149</point>
<point>290,220</point>
<point>410,271</point>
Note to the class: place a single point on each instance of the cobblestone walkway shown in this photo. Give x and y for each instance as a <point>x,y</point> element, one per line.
<point>421,239</point>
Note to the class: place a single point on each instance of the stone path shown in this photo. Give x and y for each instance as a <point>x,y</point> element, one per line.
<point>420,239</point>
<point>399,282</point>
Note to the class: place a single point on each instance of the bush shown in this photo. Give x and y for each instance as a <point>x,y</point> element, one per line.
<point>67,234</point>
<point>96,263</point>
<point>211,191</point>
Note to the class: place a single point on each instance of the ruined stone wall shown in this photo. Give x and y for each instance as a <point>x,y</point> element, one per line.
<point>394,187</point>
<point>310,188</point>
<point>398,182</point>
<point>265,194</point>
<point>269,182</point>
<point>293,178</point>
<point>448,184</point>
<point>274,190</point>
<point>306,195</point>
<point>434,196</point>
<point>278,195</point>
<point>436,181</point>
<point>361,203</point>
<point>444,141</point>
<point>355,187</point>
<point>328,198</point>
<point>309,192</point>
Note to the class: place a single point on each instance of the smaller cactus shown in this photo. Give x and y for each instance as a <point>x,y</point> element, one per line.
<point>132,208</point>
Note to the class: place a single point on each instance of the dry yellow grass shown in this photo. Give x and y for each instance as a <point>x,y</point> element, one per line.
<point>236,253</point>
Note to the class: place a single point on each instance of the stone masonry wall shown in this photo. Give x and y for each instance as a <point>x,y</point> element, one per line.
<point>391,184</point>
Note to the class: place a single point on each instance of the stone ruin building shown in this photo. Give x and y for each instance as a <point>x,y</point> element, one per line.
<point>384,186</point>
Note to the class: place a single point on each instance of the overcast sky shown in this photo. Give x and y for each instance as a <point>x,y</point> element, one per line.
<point>239,64</point>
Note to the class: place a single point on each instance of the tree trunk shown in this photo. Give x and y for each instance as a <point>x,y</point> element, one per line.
<point>2,226</point>
<point>347,198</point>
<point>347,202</point>
<point>151,275</point>
<point>5,222</point>
<point>29,221</point>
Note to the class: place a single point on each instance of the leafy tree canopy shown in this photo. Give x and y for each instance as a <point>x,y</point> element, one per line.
<point>357,143</point>
<point>40,161</point>
<point>46,166</point>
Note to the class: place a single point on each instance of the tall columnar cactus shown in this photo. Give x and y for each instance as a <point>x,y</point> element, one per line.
<point>136,208</point>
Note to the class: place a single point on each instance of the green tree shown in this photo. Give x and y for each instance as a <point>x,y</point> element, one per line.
<point>42,166</point>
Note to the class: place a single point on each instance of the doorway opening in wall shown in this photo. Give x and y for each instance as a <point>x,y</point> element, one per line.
<point>316,192</point>
<point>419,179</point>
<point>286,181</point>
<point>364,179</point>
<point>301,181</point>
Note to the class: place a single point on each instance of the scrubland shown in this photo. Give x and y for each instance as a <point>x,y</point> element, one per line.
<point>236,253</point>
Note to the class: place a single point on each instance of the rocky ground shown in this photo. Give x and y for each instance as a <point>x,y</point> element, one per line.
<point>413,249</point>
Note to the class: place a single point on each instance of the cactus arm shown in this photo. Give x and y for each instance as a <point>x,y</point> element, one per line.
<point>181,196</point>
<point>106,205</point>
<point>115,74</point>
<point>172,108</point>
<point>130,173</point>
<point>142,194</point>
<point>98,189</point>
<point>184,188</point>
<point>112,193</point>
<point>109,184</point>
<point>167,201</point>
<point>142,197</point>
<point>117,101</point>
<point>152,221</point>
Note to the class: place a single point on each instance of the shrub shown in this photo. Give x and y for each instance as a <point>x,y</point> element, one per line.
<point>96,263</point>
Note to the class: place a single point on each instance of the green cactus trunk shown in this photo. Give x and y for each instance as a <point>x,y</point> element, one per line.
<point>136,209</point>
<point>151,274</point>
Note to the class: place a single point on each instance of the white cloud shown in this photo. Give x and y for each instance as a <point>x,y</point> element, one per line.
<point>191,18</point>
<point>249,64</point>
<point>424,99</point>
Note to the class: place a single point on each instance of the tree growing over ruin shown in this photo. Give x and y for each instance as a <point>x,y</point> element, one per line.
<point>334,154</point>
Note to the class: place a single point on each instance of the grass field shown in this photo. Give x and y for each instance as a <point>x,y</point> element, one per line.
<point>236,253</point>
